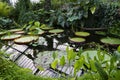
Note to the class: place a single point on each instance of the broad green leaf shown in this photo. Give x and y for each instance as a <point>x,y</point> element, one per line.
<point>62,61</point>
<point>31,22</point>
<point>101,71</point>
<point>32,28</point>
<point>92,65</point>
<point>87,65</point>
<point>54,55</point>
<point>71,55</point>
<point>37,23</point>
<point>71,19</point>
<point>80,51</point>
<point>54,64</point>
<point>100,55</point>
<point>118,49</point>
<point>78,64</point>
<point>92,9</point>
<point>28,27</point>
<point>112,63</point>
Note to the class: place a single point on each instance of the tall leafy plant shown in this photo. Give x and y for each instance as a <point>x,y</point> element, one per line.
<point>96,67</point>
<point>5,9</point>
<point>21,8</point>
<point>107,14</point>
<point>75,14</point>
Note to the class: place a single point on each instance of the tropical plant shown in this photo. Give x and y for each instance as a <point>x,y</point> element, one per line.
<point>114,29</point>
<point>37,15</point>
<point>75,14</point>
<point>106,73</point>
<point>10,71</point>
<point>21,7</point>
<point>107,15</point>
<point>5,9</point>
<point>7,23</point>
<point>100,65</point>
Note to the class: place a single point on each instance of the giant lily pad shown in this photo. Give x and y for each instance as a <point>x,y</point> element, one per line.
<point>93,53</point>
<point>100,33</point>
<point>82,34</point>
<point>26,39</point>
<point>20,32</point>
<point>77,40</point>
<point>36,32</point>
<point>2,33</point>
<point>46,28</point>
<point>10,37</point>
<point>56,31</point>
<point>15,30</point>
<point>111,41</point>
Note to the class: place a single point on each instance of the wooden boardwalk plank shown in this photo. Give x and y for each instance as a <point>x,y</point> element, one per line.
<point>21,48</point>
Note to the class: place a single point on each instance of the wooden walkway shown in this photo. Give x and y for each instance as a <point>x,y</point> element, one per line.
<point>22,55</point>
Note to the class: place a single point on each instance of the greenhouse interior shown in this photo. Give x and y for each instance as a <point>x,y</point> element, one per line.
<point>59,39</point>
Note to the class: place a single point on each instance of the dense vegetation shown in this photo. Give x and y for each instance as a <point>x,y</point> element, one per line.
<point>73,15</point>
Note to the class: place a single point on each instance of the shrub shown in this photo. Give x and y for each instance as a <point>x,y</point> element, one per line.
<point>5,9</point>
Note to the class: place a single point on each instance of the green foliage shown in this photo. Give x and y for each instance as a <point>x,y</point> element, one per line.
<point>85,13</point>
<point>74,14</point>
<point>118,49</point>
<point>62,61</point>
<point>101,71</point>
<point>114,29</point>
<point>33,28</point>
<point>7,23</point>
<point>54,55</point>
<point>106,14</point>
<point>60,3</point>
<point>37,15</point>
<point>78,64</point>
<point>37,6</point>
<point>54,64</point>
<point>21,8</point>
<point>10,71</point>
<point>97,65</point>
<point>5,9</point>
<point>70,55</point>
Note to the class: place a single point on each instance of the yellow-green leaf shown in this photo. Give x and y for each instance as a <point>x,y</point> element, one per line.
<point>54,64</point>
<point>118,49</point>
<point>92,9</point>
<point>92,65</point>
<point>62,61</point>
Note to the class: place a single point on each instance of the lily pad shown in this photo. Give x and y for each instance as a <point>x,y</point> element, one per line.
<point>20,32</point>
<point>26,39</point>
<point>56,31</point>
<point>93,53</point>
<point>10,37</point>
<point>2,33</point>
<point>82,34</point>
<point>36,32</point>
<point>15,30</point>
<point>46,28</point>
<point>77,40</point>
<point>110,40</point>
<point>100,33</point>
